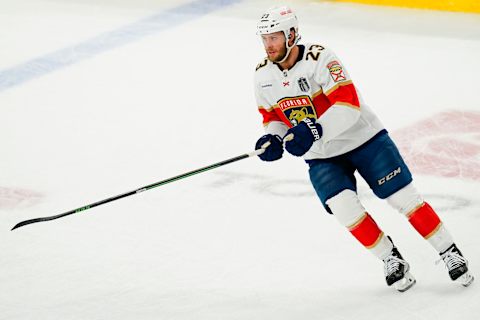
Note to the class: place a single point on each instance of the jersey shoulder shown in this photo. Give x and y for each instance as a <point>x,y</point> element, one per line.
<point>315,53</point>
<point>262,64</point>
<point>264,71</point>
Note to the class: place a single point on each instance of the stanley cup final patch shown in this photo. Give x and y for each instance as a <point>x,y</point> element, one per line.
<point>303,84</point>
<point>336,71</point>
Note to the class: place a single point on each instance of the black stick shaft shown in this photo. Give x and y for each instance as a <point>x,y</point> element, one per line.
<point>139,190</point>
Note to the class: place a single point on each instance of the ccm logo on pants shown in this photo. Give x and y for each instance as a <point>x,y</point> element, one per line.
<point>389,176</point>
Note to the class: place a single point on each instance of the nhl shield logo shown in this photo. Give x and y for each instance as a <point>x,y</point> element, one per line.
<point>303,84</point>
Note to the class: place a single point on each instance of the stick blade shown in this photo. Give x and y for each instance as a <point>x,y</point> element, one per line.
<point>30,221</point>
<point>27,222</point>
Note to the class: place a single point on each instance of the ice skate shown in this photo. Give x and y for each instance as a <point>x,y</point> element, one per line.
<point>457,266</point>
<point>397,271</point>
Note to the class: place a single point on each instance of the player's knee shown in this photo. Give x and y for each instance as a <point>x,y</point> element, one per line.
<point>346,207</point>
<point>406,199</point>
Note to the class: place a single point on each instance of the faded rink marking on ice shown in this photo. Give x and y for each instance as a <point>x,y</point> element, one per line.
<point>294,188</point>
<point>446,145</point>
<point>56,60</point>
<point>11,198</point>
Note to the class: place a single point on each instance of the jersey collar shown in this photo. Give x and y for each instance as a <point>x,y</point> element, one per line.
<point>301,51</point>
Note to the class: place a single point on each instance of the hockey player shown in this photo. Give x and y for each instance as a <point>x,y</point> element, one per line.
<point>311,108</point>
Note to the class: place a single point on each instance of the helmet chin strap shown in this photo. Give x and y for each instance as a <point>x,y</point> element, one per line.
<point>289,48</point>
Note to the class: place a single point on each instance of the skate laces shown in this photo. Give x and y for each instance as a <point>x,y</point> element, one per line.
<point>452,259</point>
<point>392,264</point>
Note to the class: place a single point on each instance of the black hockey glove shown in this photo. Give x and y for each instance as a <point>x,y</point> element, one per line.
<point>304,134</point>
<point>274,151</point>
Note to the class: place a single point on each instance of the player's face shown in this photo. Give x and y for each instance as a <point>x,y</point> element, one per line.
<point>275,47</point>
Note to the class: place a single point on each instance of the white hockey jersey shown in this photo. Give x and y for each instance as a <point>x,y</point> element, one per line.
<point>318,87</point>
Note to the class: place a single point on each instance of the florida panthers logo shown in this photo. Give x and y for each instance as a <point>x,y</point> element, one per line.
<point>296,109</point>
<point>298,115</point>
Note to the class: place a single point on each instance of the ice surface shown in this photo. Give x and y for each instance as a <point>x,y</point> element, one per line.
<point>246,241</point>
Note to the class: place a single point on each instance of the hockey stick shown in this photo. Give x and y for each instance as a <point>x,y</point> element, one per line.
<point>144,188</point>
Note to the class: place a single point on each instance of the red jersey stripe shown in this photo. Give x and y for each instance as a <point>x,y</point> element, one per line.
<point>343,94</point>
<point>269,115</point>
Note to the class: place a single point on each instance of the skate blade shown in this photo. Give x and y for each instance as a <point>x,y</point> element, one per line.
<point>466,279</point>
<point>405,283</point>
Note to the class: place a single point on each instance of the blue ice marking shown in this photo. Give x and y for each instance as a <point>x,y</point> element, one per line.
<point>164,20</point>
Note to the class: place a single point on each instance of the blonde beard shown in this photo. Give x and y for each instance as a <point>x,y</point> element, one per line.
<point>280,57</point>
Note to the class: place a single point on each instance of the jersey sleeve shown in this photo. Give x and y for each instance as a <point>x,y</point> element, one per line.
<point>338,88</point>
<point>271,121</point>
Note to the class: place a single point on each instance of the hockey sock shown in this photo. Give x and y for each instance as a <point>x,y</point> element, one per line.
<point>367,232</point>
<point>429,226</point>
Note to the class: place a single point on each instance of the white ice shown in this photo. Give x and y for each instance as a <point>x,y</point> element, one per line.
<point>246,241</point>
